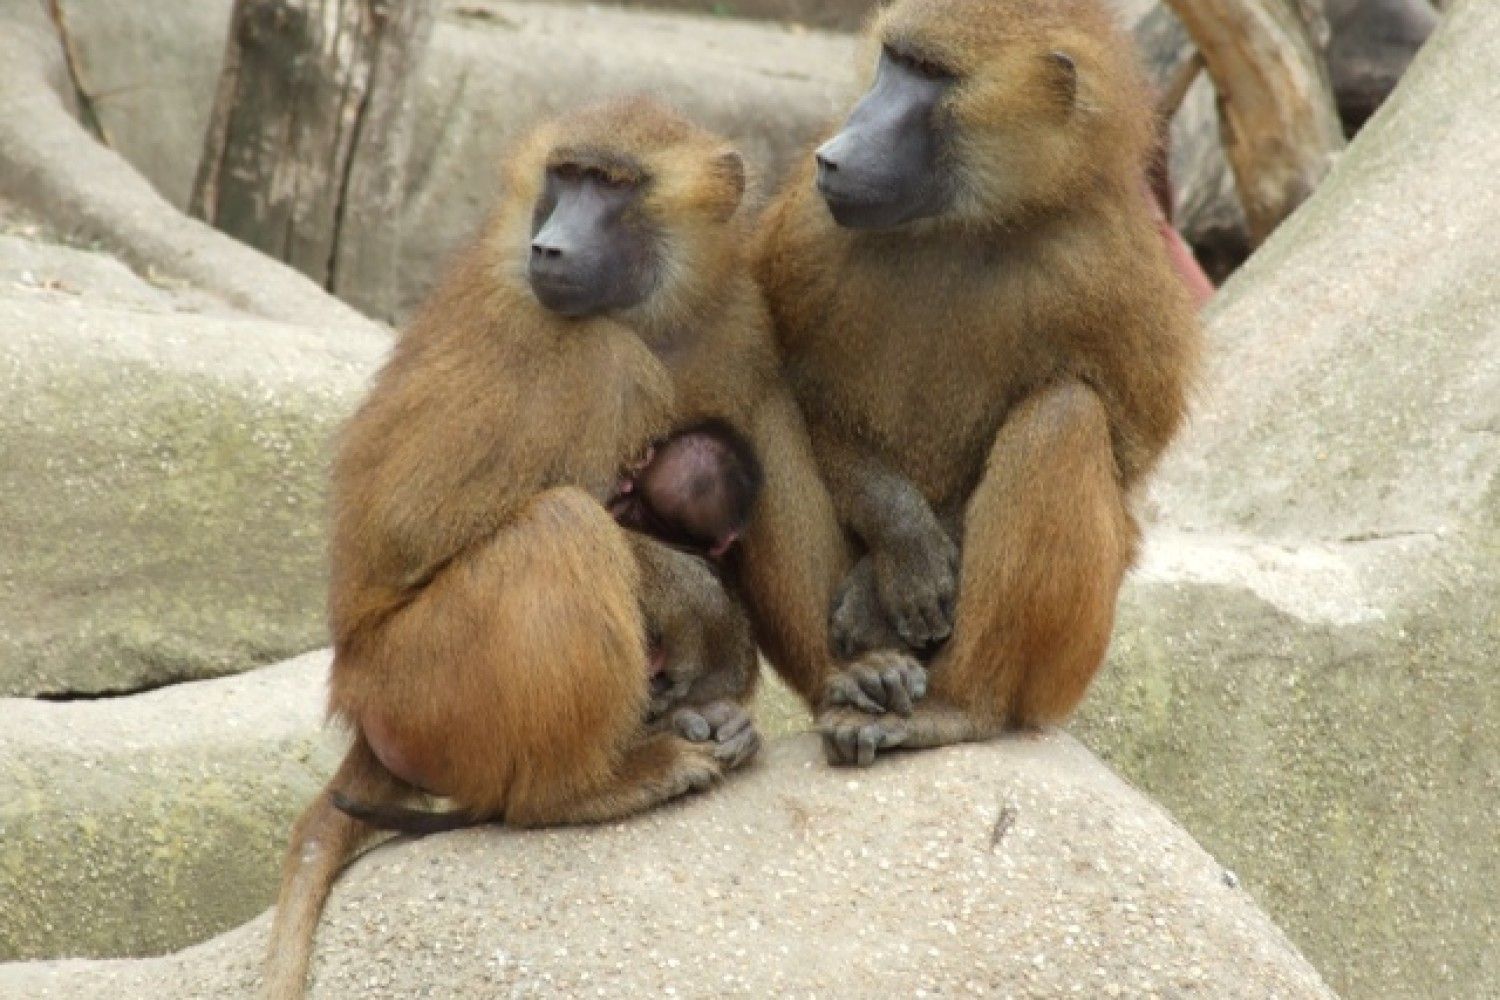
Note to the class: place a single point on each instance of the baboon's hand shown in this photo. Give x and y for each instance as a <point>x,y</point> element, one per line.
<point>858,623</point>
<point>853,737</point>
<point>695,770</point>
<point>667,691</point>
<point>883,681</point>
<point>727,724</point>
<point>917,580</point>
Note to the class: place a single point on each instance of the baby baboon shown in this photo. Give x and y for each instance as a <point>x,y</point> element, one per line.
<point>991,349</point>
<point>694,490</point>
<point>488,615</point>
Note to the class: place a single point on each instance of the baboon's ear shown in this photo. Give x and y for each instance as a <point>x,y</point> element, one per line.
<point>730,166</point>
<point>1064,73</point>
<point>722,546</point>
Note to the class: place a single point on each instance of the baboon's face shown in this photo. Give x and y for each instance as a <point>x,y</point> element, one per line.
<point>983,110</point>
<point>593,248</point>
<point>885,166</point>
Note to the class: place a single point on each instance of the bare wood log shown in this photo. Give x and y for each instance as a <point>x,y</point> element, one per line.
<point>307,142</point>
<point>86,111</point>
<point>1182,78</point>
<point>1281,127</point>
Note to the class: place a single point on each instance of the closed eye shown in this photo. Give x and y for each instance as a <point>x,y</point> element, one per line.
<point>614,182</point>
<point>576,172</point>
<point>919,64</point>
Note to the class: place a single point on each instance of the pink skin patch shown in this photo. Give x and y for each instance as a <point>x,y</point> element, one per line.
<point>1185,264</point>
<point>1180,254</point>
<point>722,545</point>
<point>621,506</point>
<point>394,756</point>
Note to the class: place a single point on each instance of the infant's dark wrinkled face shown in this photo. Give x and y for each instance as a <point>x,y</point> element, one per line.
<point>688,487</point>
<point>685,493</point>
<point>694,490</point>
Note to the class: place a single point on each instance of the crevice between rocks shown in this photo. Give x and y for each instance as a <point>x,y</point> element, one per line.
<point>106,694</point>
<point>1386,535</point>
<point>86,111</point>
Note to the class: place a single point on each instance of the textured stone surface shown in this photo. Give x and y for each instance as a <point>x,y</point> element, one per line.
<point>52,168</point>
<point>162,475</point>
<point>29,264</point>
<point>141,824</point>
<point>1305,671</point>
<point>838,15</point>
<point>1019,868</point>
<point>137,64</point>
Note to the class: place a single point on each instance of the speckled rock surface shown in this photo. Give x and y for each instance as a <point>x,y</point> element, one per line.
<point>138,825</point>
<point>1307,667</point>
<point>52,166</point>
<point>32,263</point>
<point>143,824</point>
<point>162,473</point>
<point>837,15</point>
<point>1022,868</point>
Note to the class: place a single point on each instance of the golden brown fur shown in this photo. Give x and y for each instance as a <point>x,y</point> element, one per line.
<point>1022,359</point>
<point>489,635</point>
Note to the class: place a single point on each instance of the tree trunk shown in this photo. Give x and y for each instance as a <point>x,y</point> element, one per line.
<point>306,148</point>
<point>1281,128</point>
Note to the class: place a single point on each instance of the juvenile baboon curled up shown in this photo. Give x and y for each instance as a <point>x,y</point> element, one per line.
<point>489,617</point>
<point>991,349</point>
<point>694,491</point>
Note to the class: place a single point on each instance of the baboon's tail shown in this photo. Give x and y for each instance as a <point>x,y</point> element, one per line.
<point>402,819</point>
<point>322,840</point>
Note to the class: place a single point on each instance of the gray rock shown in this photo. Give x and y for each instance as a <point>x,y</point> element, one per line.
<point>836,15</point>
<point>1305,669</point>
<point>173,92</point>
<point>138,825</point>
<point>28,264</point>
<point>1372,44</point>
<point>54,169</point>
<point>162,476</point>
<point>1018,868</point>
